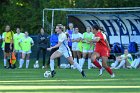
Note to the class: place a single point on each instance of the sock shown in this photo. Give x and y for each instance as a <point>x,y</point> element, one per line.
<point>109,70</point>
<point>82,62</point>
<point>21,63</point>
<point>77,66</point>
<point>115,63</point>
<point>133,63</point>
<point>95,62</point>
<point>122,63</point>
<point>75,60</point>
<point>52,64</point>
<point>137,63</point>
<point>27,63</point>
<point>36,62</point>
<point>5,61</point>
<point>89,63</point>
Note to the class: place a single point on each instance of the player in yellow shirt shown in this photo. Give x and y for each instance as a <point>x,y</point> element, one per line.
<point>8,39</point>
<point>25,43</point>
<point>17,37</point>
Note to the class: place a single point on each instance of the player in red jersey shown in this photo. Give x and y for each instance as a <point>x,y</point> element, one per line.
<point>102,50</point>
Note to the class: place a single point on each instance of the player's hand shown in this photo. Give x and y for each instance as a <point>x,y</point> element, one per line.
<point>49,49</point>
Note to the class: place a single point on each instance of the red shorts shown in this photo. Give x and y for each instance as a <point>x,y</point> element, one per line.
<point>105,52</point>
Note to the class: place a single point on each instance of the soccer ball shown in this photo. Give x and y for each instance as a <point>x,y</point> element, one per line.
<point>36,65</point>
<point>47,74</point>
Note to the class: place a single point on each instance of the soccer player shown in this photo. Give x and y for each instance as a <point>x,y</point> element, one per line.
<point>17,36</point>
<point>63,50</point>
<point>125,58</point>
<point>76,37</point>
<point>69,32</point>
<point>87,47</point>
<point>101,50</point>
<point>136,62</point>
<point>8,48</point>
<point>25,43</point>
<point>42,45</point>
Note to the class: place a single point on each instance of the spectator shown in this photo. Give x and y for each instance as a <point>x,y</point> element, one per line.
<point>121,60</point>
<point>42,45</point>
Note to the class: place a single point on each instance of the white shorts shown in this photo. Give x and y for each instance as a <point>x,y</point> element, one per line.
<point>26,52</point>
<point>2,48</point>
<point>66,53</point>
<point>87,51</point>
<point>20,51</point>
<point>75,48</point>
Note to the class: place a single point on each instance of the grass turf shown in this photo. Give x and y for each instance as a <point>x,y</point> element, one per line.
<point>68,81</point>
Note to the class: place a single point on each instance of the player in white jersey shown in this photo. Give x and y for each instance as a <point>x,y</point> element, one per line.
<point>63,50</point>
<point>76,38</point>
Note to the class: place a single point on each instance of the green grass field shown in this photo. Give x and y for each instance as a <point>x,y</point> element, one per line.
<point>69,81</point>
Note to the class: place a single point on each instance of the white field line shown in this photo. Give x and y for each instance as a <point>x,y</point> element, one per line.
<point>48,80</point>
<point>61,87</point>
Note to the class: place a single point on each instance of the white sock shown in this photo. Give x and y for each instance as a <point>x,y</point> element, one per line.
<point>36,62</point>
<point>133,63</point>
<point>75,60</point>
<point>137,63</point>
<point>77,66</point>
<point>21,63</point>
<point>52,64</point>
<point>27,63</point>
<point>5,61</point>
<point>89,63</point>
<point>82,62</point>
<point>115,64</point>
<point>122,63</point>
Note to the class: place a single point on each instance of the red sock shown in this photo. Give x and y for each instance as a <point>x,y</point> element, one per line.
<point>96,63</point>
<point>109,70</point>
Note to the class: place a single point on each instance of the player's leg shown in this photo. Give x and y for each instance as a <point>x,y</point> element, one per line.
<point>75,57</point>
<point>5,59</point>
<point>44,58</point>
<point>28,59</point>
<point>122,63</point>
<point>94,57</point>
<point>56,54</point>
<point>137,63</point>
<point>118,59</point>
<point>70,59</point>
<point>104,64</point>
<point>83,59</point>
<point>89,60</point>
<point>38,53</point>
<point>79,54</point>
<point>22,59</point>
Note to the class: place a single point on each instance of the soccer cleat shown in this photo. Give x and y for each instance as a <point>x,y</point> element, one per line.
<point>113,75</point>
<point>53,73</point>
<point>83,74</point>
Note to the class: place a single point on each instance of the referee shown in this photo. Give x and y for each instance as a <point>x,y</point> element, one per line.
<point>8,48</point>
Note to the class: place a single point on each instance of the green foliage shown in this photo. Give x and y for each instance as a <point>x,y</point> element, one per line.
<point>27,14</point>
